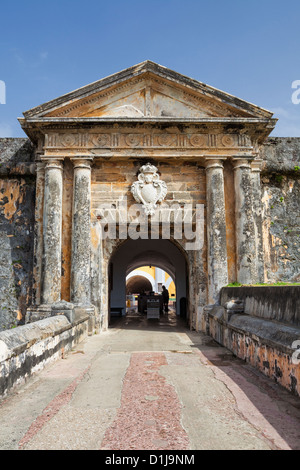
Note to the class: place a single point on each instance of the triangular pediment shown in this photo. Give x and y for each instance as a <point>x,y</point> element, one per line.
<point>147,90</point>
<point>146,101</point>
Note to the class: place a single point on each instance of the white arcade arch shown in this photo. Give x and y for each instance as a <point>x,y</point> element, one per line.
<point>139,272</point>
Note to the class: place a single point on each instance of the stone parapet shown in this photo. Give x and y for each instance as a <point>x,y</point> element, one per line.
<point>27,349</point>
<point>261,326</point>
<point>269,347</point>
<point>279,303</point>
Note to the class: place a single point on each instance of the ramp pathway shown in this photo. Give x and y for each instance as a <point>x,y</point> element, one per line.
<point>153,385</point>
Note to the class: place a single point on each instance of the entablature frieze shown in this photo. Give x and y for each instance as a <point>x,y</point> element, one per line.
<point>146,143</point>
<point>158,140</point>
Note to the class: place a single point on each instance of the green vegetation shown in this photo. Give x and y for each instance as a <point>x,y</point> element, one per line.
<point>279,178</point>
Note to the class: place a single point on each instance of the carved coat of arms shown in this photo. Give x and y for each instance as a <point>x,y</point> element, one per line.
<point>149,189</point>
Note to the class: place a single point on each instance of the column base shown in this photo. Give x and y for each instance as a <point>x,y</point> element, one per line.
<point>74,312</point>
<point>64,308</point>
<point>37,312</point>
<point>85,310</point>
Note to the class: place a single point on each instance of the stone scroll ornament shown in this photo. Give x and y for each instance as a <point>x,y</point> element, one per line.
<point>149,189</point>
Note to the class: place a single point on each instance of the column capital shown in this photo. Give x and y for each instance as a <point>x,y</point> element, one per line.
<point>214,163</point>
<point>53,163</point>
<point>241,163</point>
<point>256,165</point>
<point>82,162</point>
<point>40,166</point>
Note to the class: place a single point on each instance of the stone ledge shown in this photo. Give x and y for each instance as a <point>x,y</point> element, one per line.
<point>265,344</point>
<point>267,332</point>
<point>270,333</point>
<point>274,303</point>
<point>74,313</point>
<point>28,349</point>
<point>13,342</point>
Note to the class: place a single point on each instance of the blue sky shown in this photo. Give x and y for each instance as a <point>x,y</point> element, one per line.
<point>250,49</point>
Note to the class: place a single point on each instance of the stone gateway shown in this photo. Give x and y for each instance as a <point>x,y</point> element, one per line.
<point>107,158</point>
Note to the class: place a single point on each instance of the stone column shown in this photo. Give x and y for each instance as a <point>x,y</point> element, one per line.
<point>257,208</point>
<point>244,222</point>
<point>81,233</point>
<point>52,225</point>
<point>38,231</point>
<point>216,229</point>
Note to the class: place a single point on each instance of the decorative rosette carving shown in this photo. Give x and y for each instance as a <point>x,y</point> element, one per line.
<point>198,140</point>
<point>101,140</point>
<point>166,140</point>
<point>228,141</point>
<point>133,140</point>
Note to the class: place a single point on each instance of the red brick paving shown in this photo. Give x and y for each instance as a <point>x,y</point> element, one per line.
<point>51,410</point>
<point>149,415</point>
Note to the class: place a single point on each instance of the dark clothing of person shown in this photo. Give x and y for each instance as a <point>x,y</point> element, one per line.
<point>165,296</point>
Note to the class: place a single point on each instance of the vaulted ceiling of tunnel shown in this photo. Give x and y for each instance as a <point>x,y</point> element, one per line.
<point>152,258</point>
<point>137,285</point>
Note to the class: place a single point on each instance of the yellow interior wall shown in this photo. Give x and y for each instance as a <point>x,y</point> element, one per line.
<point>151,271</point>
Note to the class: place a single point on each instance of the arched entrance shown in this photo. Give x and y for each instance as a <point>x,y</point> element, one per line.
<point>138,284</point>
<point>133,254</point>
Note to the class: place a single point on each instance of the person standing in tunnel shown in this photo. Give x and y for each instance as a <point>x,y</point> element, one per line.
<point>165,296</point>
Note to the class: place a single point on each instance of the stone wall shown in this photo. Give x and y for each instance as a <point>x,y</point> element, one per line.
<point>17,198</point>
<point>281,209</point>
